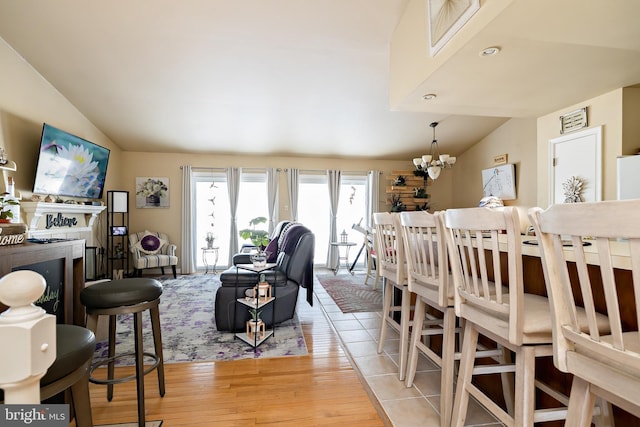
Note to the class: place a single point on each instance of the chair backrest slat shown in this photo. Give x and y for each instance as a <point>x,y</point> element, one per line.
<point>585,288</point>
<point>426,256</point>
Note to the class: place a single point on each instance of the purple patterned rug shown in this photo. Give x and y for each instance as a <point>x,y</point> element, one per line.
<point>189,332</point>
<point>350,293</point>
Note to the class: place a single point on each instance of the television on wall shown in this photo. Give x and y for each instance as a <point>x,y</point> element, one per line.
<point>69,165</point>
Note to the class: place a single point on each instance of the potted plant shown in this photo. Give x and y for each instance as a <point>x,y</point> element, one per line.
<point>259,238</point>
<point>5,211</point>
<point>255,314</point>
<point>255,325</point>
<point>400,181</point>
<point>420,193</point>
<point>209,238</point>
<point>423,207</point>
<point>396,203</point>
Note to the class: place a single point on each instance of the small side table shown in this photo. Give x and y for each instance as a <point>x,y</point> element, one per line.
<point>213,251</point>
<point>345,258</point>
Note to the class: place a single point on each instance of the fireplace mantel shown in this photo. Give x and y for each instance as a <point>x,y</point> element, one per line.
<point>83,218</point>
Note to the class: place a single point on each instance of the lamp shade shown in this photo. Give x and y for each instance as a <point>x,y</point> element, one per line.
<point>434,172</point>
<point>119,201</point>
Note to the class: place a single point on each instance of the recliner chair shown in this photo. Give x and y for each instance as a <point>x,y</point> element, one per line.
<point>294,269</point>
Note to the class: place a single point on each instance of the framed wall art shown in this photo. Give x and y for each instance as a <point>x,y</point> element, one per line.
<point>152,192</point>
<point>445,18</point>
<point>499,181</point>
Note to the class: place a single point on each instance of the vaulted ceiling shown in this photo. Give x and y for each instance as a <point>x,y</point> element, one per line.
<point>295,77</point>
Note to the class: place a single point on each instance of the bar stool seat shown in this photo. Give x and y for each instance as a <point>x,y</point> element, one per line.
<point>123,292</point>
<point>74,347</point>
<point>70,370</point>
<point>127,296</point>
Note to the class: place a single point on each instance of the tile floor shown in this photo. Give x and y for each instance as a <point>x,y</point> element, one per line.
<point>405,407</point>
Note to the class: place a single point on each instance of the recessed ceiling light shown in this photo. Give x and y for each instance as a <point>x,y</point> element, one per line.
<point>429,96</point>
<point>490,51</point>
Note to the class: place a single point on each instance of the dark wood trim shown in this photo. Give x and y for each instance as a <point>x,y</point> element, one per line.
<point>71,251</point>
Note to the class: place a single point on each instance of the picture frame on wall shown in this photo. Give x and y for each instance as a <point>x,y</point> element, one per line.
<point>152,192</point>
<point>445,18</point>
<point>499,181</point>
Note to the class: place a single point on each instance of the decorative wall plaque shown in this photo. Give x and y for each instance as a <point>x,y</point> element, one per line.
<point>500,159</point>
<point>573,121</point>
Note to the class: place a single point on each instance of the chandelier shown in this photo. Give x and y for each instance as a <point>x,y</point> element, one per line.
<point>434,162</point>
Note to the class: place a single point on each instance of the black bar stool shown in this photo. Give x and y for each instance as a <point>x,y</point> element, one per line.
<point>127,296</point>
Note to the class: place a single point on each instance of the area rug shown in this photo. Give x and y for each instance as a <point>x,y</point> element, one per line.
<point>350,293</point>
<point>189,331</point>
<point>146,424</point>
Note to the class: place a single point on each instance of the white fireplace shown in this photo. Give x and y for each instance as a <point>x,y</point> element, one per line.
<point>61,220</point>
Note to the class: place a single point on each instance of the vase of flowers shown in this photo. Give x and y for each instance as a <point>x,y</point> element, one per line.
<point>209,238</point>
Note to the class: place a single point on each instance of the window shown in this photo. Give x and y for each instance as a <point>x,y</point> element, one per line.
<point>252,202</point>
<point>216,217</point>
<point>211,217</point>
<point>314,212</point>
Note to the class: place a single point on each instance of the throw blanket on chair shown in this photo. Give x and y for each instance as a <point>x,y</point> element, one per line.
<point>289,242</point>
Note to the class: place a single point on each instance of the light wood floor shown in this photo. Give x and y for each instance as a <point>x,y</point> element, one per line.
<point>319,389</point>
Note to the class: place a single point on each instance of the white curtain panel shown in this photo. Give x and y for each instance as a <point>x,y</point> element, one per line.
<point>373,196</point>
<point>187,264</point>
<point>333,179</point>
<point>273,181</point>
<point>233,185</point>
<point>293,177</point>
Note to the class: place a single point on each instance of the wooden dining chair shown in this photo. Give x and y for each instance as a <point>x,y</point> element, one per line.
<point>392,269</point>
<point>372,259</point>
<point>428,278</point>
<point>486,261</point>
<point>605,365</point>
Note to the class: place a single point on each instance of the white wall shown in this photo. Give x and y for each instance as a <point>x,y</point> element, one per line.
<point>517,139</point>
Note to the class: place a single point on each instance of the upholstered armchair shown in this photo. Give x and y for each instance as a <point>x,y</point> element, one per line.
<point>152,249</point>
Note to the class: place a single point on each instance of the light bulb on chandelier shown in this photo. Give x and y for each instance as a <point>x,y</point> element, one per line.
<point>434,162</point>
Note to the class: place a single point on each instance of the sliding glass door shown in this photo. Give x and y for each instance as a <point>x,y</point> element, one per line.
<point>212,213</point>
<point>313,209</point>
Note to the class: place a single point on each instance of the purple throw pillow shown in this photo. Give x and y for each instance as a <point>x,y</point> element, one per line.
<point>150,243</point>
<point>272,250</point>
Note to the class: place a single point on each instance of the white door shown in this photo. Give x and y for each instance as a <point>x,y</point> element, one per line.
<point>576,155</point>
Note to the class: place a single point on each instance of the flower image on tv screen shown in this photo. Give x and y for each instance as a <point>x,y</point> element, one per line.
<point>69,165</point>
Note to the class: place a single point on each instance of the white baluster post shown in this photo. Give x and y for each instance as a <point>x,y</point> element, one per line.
<point>27,337</point>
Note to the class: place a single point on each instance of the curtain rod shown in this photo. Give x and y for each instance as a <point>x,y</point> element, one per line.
<point>201,168</point>
<point>283,170</point>
<point>344,172</point>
